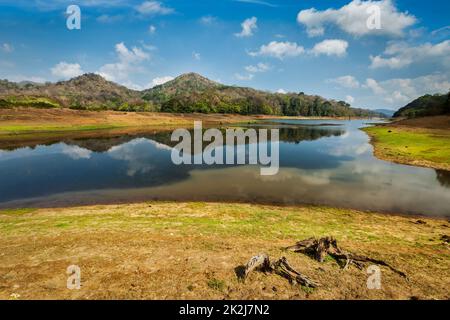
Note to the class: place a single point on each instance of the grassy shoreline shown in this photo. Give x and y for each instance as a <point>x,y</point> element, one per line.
<point>413,142</point>
<point>24,126</point>
<point>31,120</point>
<point>189,250</point>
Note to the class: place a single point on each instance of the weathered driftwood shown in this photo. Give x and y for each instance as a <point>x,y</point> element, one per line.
<point>260,262</point>
<point>319,248</point>
<point>284,269</point>
<point>280,267</point>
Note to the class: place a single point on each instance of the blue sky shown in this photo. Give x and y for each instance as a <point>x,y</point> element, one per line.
<point>317,47</point>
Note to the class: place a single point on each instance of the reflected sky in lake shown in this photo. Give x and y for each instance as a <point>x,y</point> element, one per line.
<point>321,162</point>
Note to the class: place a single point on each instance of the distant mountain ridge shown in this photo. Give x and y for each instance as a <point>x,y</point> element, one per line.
<point>187,93</point>
<point>387,112</point>
<point>427,105</point>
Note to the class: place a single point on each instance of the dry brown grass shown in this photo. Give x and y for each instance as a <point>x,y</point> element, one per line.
<point>52,119</point>
<point>166,250</point>
<point>28,126</point>
<point>22,120</point>
<point>25,126</point>
<point>435,123</point>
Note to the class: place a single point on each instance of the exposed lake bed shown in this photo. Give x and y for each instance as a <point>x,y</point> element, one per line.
<point>190,250</point>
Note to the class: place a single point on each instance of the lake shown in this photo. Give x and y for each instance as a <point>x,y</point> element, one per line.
<point>322,162</point>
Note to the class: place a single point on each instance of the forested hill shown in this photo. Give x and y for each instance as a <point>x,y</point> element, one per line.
<point>89,91</point>
<point>387,112</point>
<point>187,93</point>
<point>192,92</point>
<point>427,105</point>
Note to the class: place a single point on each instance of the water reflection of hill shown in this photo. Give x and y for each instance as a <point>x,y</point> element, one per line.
<point>104,143</point>
<point>443,177</point>
<point>290,135</point>
<point>300,134</point>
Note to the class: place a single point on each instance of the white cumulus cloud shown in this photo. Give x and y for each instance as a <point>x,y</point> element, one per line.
<point>260,67</point>
<point>129,60</point>
<point>399,91</point>
<point>374,86</point>
<point>349,99</point>
<point>352,18</point>
<point>153,8</point>
<point>279,50</point>
<point>399,55</point>
<point>346,81</point>
<point>331,47</point>
<point>248,26</point>
<point>160,80</point>
<point>64,70</point>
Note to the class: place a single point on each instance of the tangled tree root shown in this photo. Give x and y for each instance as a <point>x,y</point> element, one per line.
<point>445,238</point>
<point>319,248</point>
<point>280,267</point>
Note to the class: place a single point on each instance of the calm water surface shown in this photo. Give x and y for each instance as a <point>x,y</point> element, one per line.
<point>321,162</point>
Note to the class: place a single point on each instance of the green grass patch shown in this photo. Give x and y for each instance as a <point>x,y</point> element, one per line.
<point>23,129</point>
<point>411,144</point>
<point>216,284</point>
<point>307,290</point>
<point>62,225</point>
<point>225,220</point>
<point>16,212</point>
<point>32,102</point>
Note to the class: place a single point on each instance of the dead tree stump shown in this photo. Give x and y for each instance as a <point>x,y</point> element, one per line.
<point>280,267</point>
<point>284,269</point>
<point>319,248</point>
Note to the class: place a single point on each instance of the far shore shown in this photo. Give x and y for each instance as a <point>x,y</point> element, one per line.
<point>28,120</point>
<point>24,126</point>
<point>423,142</point>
